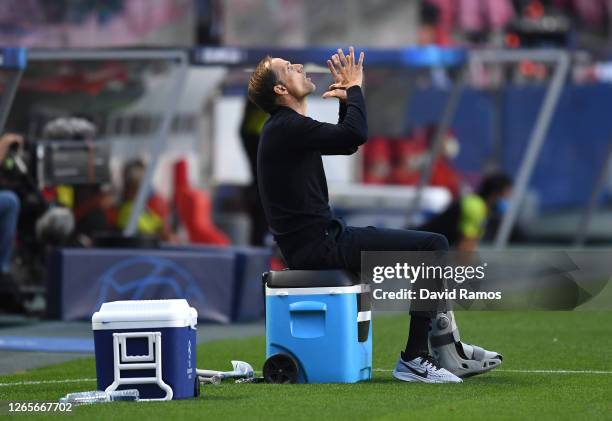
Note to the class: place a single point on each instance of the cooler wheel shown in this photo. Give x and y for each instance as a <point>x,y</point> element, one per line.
<point>281,369</point>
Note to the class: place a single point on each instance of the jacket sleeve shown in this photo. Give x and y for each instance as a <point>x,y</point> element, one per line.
<point>340,151</point>
<point>347,135</point>
<point>341,111</point>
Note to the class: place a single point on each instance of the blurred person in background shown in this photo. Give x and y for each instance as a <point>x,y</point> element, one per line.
<point>411,154</point>
<point>91,213</point>
<point>435,25</point>
<point>153,221</point>
<point>9,210</point>
<point>480,21</point>
<point>465,220</point>
<point>253,119</point>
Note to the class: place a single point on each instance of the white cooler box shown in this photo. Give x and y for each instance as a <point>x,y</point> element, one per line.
<point>149,346</point>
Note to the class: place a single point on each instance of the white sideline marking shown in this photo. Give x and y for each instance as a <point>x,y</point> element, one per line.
<point>534,371</point>
<point>35,382</point>
<point>559,371</point>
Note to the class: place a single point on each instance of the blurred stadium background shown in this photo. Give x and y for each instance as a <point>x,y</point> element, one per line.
<point>158,184</point>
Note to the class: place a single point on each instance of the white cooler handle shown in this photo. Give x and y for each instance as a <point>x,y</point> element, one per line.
<point>150,361</point>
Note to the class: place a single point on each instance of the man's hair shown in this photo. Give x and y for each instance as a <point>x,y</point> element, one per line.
<point>494,184</point>
<point>261,85</point>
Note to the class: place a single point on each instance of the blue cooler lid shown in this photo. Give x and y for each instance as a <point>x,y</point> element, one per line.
<point>136,314</point>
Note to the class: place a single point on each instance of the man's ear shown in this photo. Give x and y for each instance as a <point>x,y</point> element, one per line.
<point>280,89</point>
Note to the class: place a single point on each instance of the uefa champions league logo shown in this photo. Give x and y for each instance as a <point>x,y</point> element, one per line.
<point>189,368</point>
<point>145,277</point>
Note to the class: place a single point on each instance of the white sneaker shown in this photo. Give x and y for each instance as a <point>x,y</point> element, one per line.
<point>423,369</point>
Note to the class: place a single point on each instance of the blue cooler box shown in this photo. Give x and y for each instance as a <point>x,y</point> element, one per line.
<point>322,321</point>
<point>148,345</point>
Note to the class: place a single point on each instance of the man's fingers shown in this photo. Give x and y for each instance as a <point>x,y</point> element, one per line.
<point>361,57</point>
<point>336,62</point>
<point>334,93</point>
<point>351,57</point>
<point>342,57</point>
<point>332,69</point>
<point>339,86</point>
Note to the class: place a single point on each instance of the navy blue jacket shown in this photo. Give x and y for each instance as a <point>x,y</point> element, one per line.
<point>291,179</point>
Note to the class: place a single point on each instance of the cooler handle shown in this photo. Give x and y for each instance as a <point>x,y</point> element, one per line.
<point>308,306</point>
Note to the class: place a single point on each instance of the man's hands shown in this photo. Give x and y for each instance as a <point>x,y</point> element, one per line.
<point>6,141</point>
<point>345,72</point>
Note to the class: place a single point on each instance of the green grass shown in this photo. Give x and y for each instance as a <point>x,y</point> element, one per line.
<point>529,341</point>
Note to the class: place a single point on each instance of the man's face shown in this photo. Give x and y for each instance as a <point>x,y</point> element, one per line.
<point>293,78</point>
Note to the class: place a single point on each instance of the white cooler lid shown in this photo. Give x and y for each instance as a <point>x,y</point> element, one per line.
<point>144,314</point>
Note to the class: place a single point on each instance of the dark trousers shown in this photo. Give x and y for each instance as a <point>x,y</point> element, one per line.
<point>340,247</point>
<point>9,214</point>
